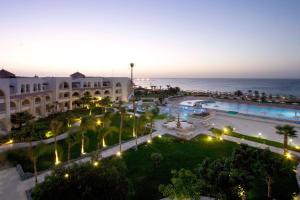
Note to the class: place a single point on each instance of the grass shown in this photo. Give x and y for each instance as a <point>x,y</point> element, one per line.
<point>254,139</point>
<point>176,154</point>
<point>46,161</point>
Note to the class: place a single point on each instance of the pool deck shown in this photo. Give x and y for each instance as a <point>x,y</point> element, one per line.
<point>245,124</point>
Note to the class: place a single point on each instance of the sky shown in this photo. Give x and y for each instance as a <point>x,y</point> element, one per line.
<point>164,38</point>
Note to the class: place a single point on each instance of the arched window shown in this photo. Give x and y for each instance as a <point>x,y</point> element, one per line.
<point>106,92</point>
<point>37,100</point>
<point>26,102</point>
<point>75,94</point>
<point>118,84</point>
<point>98,93</point>
<point>87,93</point>
<point>13,105</point>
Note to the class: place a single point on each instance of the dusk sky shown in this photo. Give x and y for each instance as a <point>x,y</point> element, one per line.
<point>164,38</point>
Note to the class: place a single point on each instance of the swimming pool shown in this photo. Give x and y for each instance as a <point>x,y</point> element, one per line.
<point>261,111</point>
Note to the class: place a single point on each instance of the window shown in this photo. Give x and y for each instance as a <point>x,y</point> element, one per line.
<point>22,88</point>
<point>27,88</point>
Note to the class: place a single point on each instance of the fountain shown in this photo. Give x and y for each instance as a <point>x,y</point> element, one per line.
<point>179,125</point>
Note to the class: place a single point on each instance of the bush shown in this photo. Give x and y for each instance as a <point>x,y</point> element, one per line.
<point>19,156</point>
<point>156,159</point>
<point>108,180</point>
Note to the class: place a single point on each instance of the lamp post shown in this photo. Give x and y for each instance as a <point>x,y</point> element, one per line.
<point>134,133</point>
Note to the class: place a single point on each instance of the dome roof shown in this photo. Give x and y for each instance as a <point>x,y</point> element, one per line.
<point>6,74</point>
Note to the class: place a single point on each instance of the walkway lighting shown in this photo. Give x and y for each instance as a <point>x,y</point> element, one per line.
<point>98,122</point>
<point>288,156</point>
<point>9,141</point>
<point>96,163</point>
<point>159,136</point>
<point>103,143</point>
<point>119,154</point>
<point>149,141</point>
<point>56,158</point>
<point>259,134</point>
<point>209,138</point>
<point>66,175</point>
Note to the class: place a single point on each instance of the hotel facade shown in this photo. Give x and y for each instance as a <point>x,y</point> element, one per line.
<point>40,95</point>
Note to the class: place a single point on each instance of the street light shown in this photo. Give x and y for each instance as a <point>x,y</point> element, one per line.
<point>133,106</point>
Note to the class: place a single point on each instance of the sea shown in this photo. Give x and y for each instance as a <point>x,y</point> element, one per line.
<point>269,86</point>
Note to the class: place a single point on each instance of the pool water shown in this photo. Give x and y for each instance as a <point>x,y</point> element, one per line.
<point>261,111</point>
<point>272,112</point>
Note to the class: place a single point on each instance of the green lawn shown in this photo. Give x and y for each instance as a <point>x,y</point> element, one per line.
<point>20,156</point>
<point>254,139</point>
<point>182,154</point>
<point>177,154</point>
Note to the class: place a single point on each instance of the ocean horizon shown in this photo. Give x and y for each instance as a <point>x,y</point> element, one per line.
<point>274,86</point>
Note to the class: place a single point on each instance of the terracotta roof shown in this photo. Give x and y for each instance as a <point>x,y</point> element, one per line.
<point>6,74</point>
<point>77,75</point>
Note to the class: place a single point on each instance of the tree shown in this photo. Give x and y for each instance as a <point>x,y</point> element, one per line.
<point>87,123</point>
<point>156,158</point>
<point>71,140</point>
<point>238,93</point>
<point>269,168</point>
<point>287,131</point>
<point>55,127</point>
<point>151,115</point>
<point>36,152</point>
<point>261,165</point>
<point>184,185</point>
<point>122,113</point>
<point>21,118</point>
<point>86,181</point>
<point>256,93</point>
<point>86,100</point>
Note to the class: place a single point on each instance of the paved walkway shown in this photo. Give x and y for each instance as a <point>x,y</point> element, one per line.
<point>252,126</point>
<point>11,187</point>
<point>7,147</point>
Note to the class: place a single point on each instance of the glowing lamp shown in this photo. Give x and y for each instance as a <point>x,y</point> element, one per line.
<point>209,138</point>
<point>119,154</point>
<point>288,156</point>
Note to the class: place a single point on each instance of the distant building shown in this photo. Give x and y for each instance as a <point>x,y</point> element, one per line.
<point>41,95</point>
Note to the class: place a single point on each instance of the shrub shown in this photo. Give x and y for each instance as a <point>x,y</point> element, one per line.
<point>156,159</point>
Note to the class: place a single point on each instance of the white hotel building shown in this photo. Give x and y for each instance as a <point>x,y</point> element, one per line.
<point>38,95</point>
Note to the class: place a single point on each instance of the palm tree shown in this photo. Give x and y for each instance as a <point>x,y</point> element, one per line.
<point>21,118</point>
<point>122,112</point>
<point>105,130</point>
<point>141,124</point>
<point>55,127</point>
<point>87,123</point>
<point>35,153</point>
<point>71,140</point>
<point>150,116</point>
<point>287,131</point>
